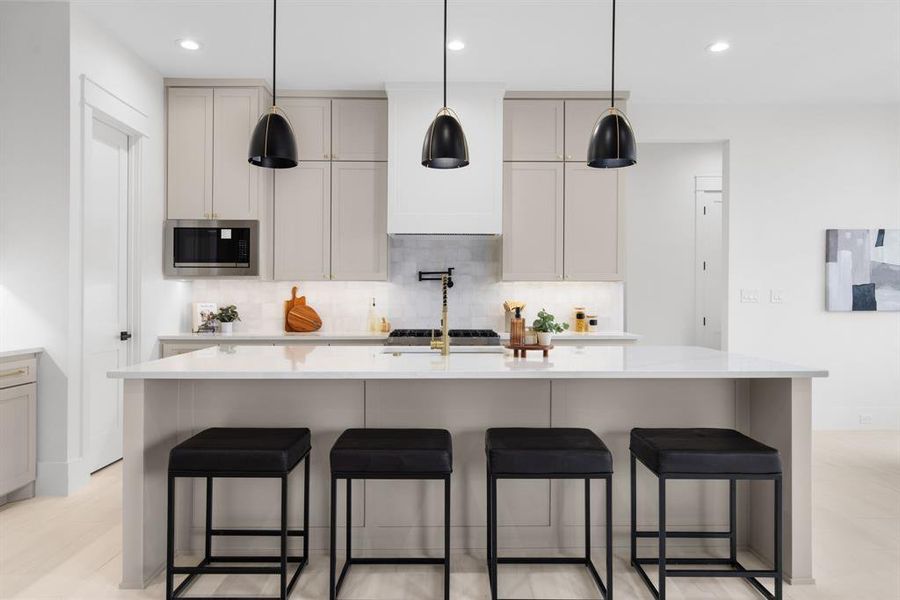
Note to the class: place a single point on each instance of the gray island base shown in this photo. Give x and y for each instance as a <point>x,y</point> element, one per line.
<point>328,389</point>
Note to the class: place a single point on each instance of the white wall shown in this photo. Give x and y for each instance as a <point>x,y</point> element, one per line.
<point>792,172</point>
<point>660,240</point>
<point>476,300</point>
<point>34,210</point>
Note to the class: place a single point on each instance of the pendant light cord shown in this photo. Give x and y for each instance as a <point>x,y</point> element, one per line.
<point>612,86</point>
<point>274,39</point>
<point>445,53</point>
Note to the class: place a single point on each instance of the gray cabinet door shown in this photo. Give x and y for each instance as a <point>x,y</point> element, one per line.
<point>189,172</point>
<point>359,221</point>
<point>303,221</point>
<point>581,116</point>
<point>235,181</point>
<point>593,246</point>
<point>311,121</point>
<point>532,221</point>
<point>359,128</point>
<point>533,130</point>
<point>18,440</point>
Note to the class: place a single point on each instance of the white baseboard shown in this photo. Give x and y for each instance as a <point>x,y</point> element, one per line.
<point>60,478</point>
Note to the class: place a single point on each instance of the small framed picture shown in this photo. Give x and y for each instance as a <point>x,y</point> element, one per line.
<point>203,316</point>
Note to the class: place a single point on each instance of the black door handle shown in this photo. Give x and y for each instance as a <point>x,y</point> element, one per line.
<point>124,336</point>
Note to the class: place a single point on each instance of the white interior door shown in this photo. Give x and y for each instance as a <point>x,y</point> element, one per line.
<point>105,289</point>
<point>710,262</point>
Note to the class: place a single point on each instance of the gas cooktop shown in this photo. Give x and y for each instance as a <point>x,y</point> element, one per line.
<point>458,337</point>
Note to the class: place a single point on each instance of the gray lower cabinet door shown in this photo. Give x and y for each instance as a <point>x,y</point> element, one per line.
<point>18,440</point>
<point>359,221</point>
<point>303,222</point>
<point>593,245</point>
<point>532,221</point>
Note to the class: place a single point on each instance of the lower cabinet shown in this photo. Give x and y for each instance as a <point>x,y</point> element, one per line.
<point>533,221</point>
<point>359,221</point>
<point>303,222</point>
<point>18,426</point>
<point>592,245</point>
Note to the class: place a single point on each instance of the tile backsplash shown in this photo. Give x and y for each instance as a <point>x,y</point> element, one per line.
<point>475,301</point>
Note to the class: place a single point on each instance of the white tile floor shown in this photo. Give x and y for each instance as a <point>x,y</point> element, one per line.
<point>69,547</point>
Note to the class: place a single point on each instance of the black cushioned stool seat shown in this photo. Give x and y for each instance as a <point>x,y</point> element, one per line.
<point>388,454</point>
<point>548,453</point>
<point>409,451</point>
<point>240,452</point>
<point>222,450</point>
<point>536,450</point>
<point>703,451</point>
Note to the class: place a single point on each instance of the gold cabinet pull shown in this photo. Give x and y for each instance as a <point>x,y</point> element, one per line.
<point>13,372</point>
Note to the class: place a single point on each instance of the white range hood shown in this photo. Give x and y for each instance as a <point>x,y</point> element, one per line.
<point>449,201</point>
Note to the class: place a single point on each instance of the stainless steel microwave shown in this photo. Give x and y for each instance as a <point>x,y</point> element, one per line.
<point>211,248</point>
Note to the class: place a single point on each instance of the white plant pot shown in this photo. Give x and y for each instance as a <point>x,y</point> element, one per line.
<point>544,338</point>
<point>226,328</point>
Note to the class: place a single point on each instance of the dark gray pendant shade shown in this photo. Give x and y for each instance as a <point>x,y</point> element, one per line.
<point>612,143</point>
<point>272,144</point>
<point>445,144</point>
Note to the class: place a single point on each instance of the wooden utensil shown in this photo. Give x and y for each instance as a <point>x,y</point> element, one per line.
<point>300,317</point>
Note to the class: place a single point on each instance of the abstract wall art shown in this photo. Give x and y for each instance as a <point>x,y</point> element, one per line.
<point>862,269</point>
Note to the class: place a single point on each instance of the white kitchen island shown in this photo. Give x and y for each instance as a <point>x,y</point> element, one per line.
<point>609,389</point>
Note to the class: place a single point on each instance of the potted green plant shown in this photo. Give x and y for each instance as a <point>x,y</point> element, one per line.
<point>545,326</point>
<point>226,317</point>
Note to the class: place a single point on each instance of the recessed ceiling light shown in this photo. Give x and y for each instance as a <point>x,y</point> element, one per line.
<point>720,46</point>
<point>456,45</point>
<point>188,44</point>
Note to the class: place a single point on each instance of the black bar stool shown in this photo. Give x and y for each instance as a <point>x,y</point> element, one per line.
<point>704,454</point>
<point>389,454</point>
<point>548,453</point>
<point>239,452</point>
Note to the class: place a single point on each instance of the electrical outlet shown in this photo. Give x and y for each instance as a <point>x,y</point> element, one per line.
<point>865,419</point>
<point>776,296</point>
<point>749,296</point>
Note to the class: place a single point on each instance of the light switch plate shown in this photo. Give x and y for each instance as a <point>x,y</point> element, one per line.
<point>776,296</point>
<point>749,296</point>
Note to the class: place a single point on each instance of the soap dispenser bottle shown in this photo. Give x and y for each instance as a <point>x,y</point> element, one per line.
<point>517,329</point>
<point>373,322</point>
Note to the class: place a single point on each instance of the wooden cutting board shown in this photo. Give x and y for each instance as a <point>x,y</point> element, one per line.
<point>298,316</point>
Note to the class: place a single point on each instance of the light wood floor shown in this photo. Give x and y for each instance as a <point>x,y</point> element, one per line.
<point>70,547</point>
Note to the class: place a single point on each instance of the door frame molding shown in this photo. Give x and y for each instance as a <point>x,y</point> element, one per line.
<point>103,105</point>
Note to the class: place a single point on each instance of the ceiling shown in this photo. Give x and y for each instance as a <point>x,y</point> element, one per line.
<point>788,51</point>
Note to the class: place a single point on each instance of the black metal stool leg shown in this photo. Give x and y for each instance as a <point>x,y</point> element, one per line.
<point>487,518</point>
<point>609,539</point>
<point>732,520</point>
<point>779,541</point>
<point>494,544</point>
<point>587,520</point>
<point>284,563</point>
<point>332,591</point>
<point>209,502</point>
<point>633,511</point>
<point>306,510</point>
<point>349,520</point>
<point>170,537</point>
<point>662,538</point>
<point>447,538</point>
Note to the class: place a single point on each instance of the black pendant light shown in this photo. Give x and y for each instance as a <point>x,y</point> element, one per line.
<point>272,144</point>
<point>612,141</point>
<point>445,144</point>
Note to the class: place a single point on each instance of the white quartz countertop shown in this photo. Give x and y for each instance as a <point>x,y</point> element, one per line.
<point>20,352</point>
<point>374,362</point>
<point>322,336</point>
<point>331,336</point>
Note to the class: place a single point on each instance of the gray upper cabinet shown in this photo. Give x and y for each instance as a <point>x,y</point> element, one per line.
<point>311,120</point>
<point>581,116</point>
<point>592,234</point>
<point>189,178</point>
<point>303,222</point>
<point>208,176</point>
<point>561,218</point>
<point>533,130</point>
<point>359,220</point>
<point>359,129</point>
<point>533,221</point>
